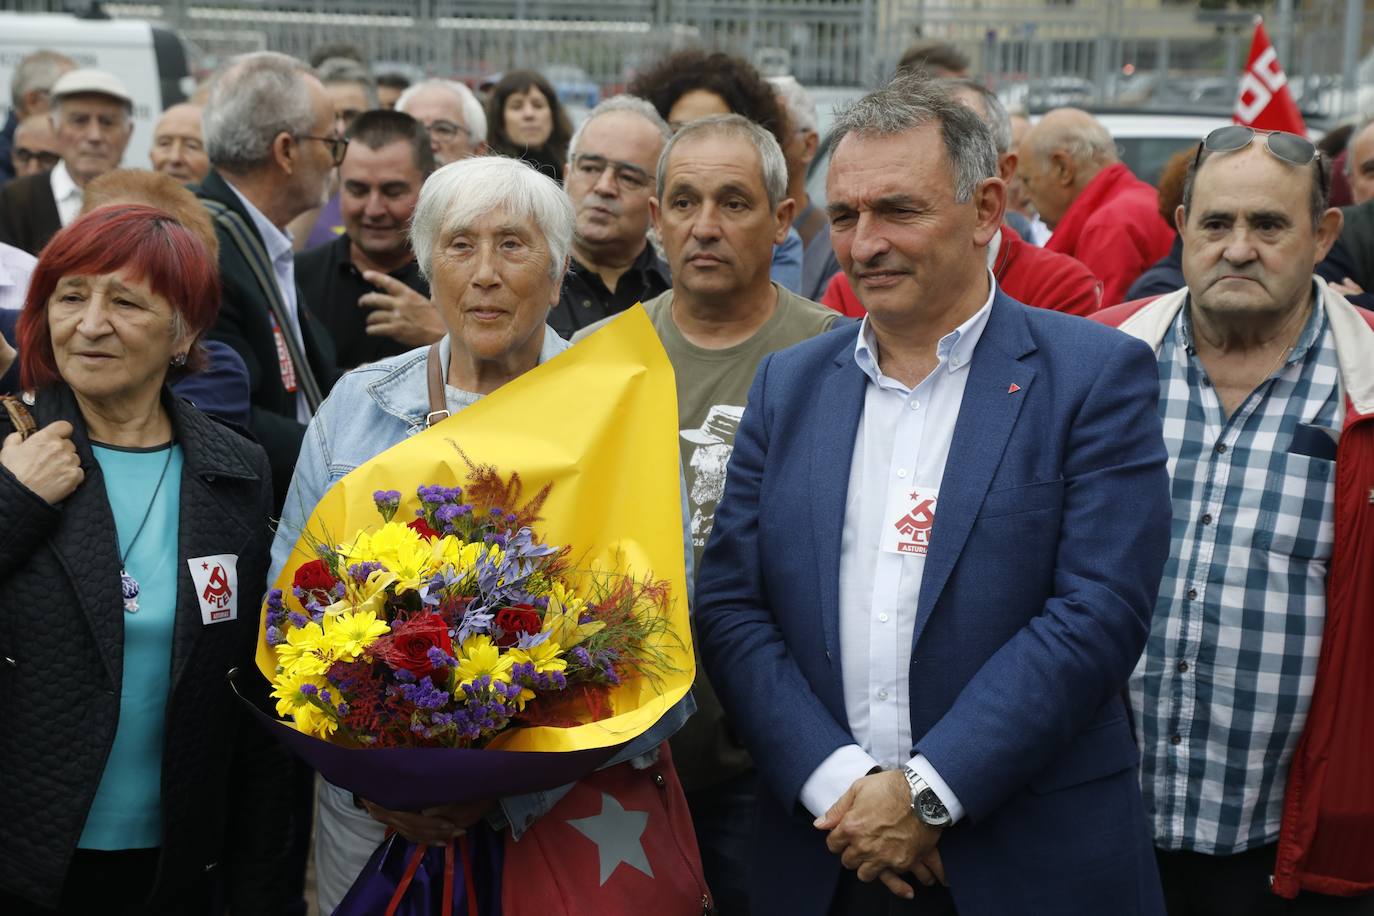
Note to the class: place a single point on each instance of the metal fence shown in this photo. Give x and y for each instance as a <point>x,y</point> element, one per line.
<point>1098,51</point>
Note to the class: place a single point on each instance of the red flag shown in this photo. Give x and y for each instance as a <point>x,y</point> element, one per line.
<point>1264,101</point>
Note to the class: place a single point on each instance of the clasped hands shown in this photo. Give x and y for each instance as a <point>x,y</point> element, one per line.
<point>432,826</point>
<point>874,832</point>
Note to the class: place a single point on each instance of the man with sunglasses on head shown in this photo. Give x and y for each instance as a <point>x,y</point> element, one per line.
<point>270,134</point>
<point>1252,698</point>
<point>610,178</point>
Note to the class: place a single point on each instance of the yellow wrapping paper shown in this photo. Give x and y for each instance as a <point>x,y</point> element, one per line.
<point>599,422</point>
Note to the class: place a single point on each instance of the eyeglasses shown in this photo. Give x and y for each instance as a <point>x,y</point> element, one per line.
<point>627,176</point>
<point>338,146</point>
<point>446,131</point>
<point>46,159</point>
<point>1285,147</point>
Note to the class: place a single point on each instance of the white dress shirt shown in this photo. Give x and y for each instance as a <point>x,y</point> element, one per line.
<point>900,451</point>
<point>65,193</point>
<point>16,266</point>
<point>279,249</point>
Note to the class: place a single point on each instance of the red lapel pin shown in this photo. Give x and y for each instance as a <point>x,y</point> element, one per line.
<point>1013,388</point>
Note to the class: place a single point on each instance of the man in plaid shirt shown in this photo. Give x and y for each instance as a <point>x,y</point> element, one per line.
<point>1266,375</point>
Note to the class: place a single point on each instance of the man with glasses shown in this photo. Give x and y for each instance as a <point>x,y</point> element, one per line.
<point>269,132</point>
<point>610,179</point>
<point>1252,698</point>
<point>1101,214</point>
<point>92,117</point>
<point>365,285</point>
<point>35,147</point>
<point>450,112</point>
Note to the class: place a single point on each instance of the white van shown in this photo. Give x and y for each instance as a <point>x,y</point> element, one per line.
<point>148,58</point>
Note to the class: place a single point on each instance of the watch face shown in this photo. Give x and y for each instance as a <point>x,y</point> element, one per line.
<point>932,810</point>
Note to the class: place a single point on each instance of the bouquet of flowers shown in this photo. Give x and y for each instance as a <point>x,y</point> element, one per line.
<point>448,630</point>
<point>436,637</point>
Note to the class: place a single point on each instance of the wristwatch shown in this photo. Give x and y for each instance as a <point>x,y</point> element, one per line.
<point>925,804</point>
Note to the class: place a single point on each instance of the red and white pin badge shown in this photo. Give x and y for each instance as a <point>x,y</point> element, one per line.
<point>1013,388</point>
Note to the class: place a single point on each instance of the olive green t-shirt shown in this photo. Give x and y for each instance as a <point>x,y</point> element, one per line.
<point>712,387</point>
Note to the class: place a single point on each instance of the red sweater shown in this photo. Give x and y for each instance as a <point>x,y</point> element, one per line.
<point>1024,272</point>
<point>1326,842</point>
<point>1114,228</point>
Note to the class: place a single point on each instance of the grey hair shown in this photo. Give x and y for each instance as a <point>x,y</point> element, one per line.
<point>1088,143</point>
<point>38,70</point>
<point>631,103</point>
<point>335,70</point>
<point>801,108</point>
<point>909,102</point>
<point>460,193</point>
<point>994,112</point>
<point>255,98</point>
<point>774,166</point>
<point>474,115</point>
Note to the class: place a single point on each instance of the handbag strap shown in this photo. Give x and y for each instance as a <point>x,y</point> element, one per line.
<point>438,403</point>
<point>20,417</point>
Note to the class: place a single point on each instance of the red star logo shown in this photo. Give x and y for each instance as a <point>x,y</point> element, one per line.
<point>205,566</point>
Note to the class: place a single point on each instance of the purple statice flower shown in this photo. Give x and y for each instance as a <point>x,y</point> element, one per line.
<point>387,501</point>
<point>274,637</point>
<point>430,496</point>
<point>359,572</point>
<point>343,709</point>
<point>276,609</point>
<point>497,512</point>
<point>440,659</point>
<point>298,592</point>
<point>425,695</point>
<point>338,591</point>
<point>298,619</point>
<point>581,656</point>
<point>404,676</point>
<point>325,695</point>
<point>309,689</point>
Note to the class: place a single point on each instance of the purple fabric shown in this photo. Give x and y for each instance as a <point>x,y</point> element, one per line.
<point>328,225</point>
<point>413,778</point>
<point>371,893</point>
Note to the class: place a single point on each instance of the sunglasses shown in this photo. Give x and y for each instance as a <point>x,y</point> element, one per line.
<point>1286,147</point>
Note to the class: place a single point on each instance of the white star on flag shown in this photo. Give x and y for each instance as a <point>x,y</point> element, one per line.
<point>616,833</point>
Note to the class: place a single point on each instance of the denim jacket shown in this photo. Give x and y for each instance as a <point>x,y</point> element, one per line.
<point>371,409</point>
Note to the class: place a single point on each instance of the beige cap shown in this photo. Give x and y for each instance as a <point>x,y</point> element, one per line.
<point>75,82</point>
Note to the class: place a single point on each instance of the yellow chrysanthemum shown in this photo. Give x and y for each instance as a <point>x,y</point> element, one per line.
<point>286,689</point>
<point>314,721</point>
<point>306,652</point>
<point>560,620</point>
<point>481,656</point>
<point>546,657</point>
<point>457,554</point>
<point>348,635</point>
<point>399,548</point>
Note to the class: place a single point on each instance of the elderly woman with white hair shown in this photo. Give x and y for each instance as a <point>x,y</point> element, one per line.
<point>492,236</point>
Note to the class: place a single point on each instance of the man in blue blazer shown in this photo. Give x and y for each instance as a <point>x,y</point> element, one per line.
<point>934,564</point>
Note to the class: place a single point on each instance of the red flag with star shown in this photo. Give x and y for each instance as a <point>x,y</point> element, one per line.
<point>619,844</point>
<point>1264,101</point>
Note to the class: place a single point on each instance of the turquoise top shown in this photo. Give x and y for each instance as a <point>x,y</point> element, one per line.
<point>127,810</point>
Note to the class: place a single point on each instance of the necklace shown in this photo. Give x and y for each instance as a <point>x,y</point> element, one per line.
<point>1283,354</point>
<point>128,585</point>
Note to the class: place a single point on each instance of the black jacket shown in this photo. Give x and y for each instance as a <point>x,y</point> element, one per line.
<point>61,660</point>
<point>28,213</point>
<point>245,323</point>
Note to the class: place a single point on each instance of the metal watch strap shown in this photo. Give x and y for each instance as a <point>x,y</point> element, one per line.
<point>920,787</point>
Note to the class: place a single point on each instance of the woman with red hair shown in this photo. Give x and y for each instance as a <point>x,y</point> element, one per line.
<point>133,553</point>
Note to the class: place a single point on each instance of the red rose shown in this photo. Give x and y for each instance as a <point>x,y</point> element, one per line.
<point>407,648</point>
<point>421,527</point>
<point>522,618</point>
<point>315,577</point>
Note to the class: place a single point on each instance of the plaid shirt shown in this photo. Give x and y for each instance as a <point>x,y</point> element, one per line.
<point>1222,690</point>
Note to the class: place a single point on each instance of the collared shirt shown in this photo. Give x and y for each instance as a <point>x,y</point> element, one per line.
<point>333,284</point>
<point>65,194</point>
<point>283,257</point>
<point>900,451</point>
<point>16,266</point>
<point>585,300</point>
<point>1222,690</point>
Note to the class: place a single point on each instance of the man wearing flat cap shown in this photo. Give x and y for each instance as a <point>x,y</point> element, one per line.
<point>92,115</point>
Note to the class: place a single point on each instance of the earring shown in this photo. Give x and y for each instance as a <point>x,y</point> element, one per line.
<point>179,360</point>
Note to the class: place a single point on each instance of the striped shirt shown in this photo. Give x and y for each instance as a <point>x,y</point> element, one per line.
<point>1222,690</point>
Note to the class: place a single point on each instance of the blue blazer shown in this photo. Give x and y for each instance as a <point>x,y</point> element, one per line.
<point>1044,565</point>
